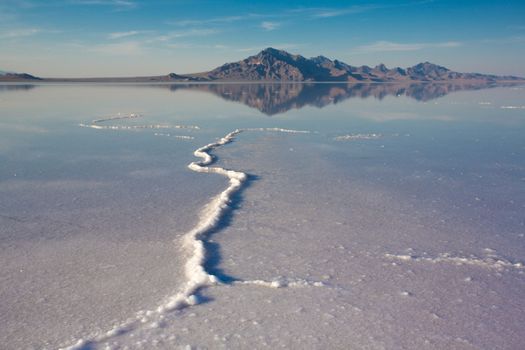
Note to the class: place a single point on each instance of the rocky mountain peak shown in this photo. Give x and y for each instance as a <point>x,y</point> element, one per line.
<point>427,67</point>
<point>322,60</point>
<point>381,68</point>
<point>274,54</point>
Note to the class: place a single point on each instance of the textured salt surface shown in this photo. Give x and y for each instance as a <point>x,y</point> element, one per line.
<point>411,242</point>
<point>84,233</point>
<point>332,246</point>
<point>197,277</point>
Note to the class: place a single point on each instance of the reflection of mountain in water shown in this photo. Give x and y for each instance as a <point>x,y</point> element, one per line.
<point>277,98</point>
<point>16,87</point>
<point>273,99</point>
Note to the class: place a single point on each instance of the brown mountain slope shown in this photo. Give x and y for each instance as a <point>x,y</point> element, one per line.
<point>278,65</point>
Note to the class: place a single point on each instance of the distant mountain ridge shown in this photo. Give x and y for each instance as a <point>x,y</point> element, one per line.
<point>11,76</point>
<point>278,65</point>
<point>273,65</point>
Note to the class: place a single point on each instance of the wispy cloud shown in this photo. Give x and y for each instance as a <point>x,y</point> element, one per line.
<point>269,26</point>
<point>122,48</point>
<point>198,22</point>
<point>230,19</point>
<point>21,4</point>
<point>17,33</point>
<point>385,46</point>
<point>117,4</point>
<point>118,35</point>
<point>515,39</point>
<point>129,45</point>
<point>283,46</point>
<point>327,13</point>
<point>185,33</point>
<point>196,46</point>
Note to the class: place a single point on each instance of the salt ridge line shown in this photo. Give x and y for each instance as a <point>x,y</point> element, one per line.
<point>196,274</point>
<point>181,137</point>
<point>95,124</point>
<point>118,117</point>
<point>512,107</point>
<point>290,131</point>
<point>284,283</point>
<point>351,137</point>
<point>134,127</point>
<point>489,262</point>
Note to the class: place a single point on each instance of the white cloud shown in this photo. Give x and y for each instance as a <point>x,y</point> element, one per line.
<point>118,35</point>
<point>122,48</point>
<point>327,13</point>
<point>194,22</point>
<point>516,39</point>
<point>385,46</point>
<point>16,33</point>
<point>185,33</point>
<point>184,46</point>
<point>196,46</point>
<point>118,4</point>
<point>284,46</point>
<point>267,25</point>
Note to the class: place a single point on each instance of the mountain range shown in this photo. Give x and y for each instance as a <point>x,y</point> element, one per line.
<point>278,65</point>
<point>274,65</point>
<point>11,76</point>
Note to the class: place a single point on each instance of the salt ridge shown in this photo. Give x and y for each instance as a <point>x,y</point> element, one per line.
<point>512,107</point>
<point>490,262</point>
<point>181,137</point>
<point>196,274</point>
<point>283,283</point>
<point>95,124</point>
<point>351,137</point>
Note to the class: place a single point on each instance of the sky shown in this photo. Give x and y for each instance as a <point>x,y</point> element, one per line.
<point>90,38</point>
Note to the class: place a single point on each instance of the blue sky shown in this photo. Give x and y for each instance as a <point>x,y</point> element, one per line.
<point>139,37</point>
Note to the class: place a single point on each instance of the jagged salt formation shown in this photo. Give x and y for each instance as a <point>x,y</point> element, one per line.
<point>491,261</point>
<point>352,137</point>
<point>95,124</point>
<point>196,275</point>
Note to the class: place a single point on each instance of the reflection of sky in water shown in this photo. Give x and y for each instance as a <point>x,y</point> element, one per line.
<point>465,136</point>
<point>449,168</point>
<point>466,132</point>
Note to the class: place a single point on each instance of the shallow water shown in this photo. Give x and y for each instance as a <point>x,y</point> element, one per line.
<point>395,222</point>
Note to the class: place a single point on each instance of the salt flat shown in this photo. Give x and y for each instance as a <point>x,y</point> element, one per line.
<point>368,223</point>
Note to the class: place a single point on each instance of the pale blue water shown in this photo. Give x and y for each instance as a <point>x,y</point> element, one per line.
<point>406,203</point>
